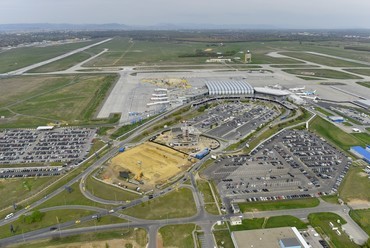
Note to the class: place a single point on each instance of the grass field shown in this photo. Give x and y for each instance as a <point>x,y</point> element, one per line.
<point>73,198</point>
<point>63,64</point>
<point>249,224</point>
<point>324,73</point>
<point>334,134</point>
<point>364,137</point>
<point>113,238</point>
<point>330,198</point>
<point>355,179</point>
<point>50,218</point>
<point>179,236</point>
<point>107,192</point>
<point>320,221</point>
<point>285,220</point>
<point>19,189</point>
<point>209,201</point>
<point>157,163</point>
<point>44,99</point>
<point>21,57</point>
<point>278,205</point>
<point>146,53</point>
<point>365,72</point>
<point>365,84</point>
<point>362,218</point>
<point>322,60</point>
<point>223,239</point>
<point>176,204</point>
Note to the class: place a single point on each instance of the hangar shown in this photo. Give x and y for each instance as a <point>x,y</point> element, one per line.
<point>232,87</point>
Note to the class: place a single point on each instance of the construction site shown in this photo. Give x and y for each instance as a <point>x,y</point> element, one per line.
<point>146,166</point>
<point>187,139</point>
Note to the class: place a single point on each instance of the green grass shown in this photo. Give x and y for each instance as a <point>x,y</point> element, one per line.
<point>73,198</point>
<point>362,218</point>
<point>19,189</point>
<point>278,205</point>
<point>324,73</point>
<point>138,234</point>
<point>364,137</point>
<point>62,64</point>
<point>126,128</point>
<point>209,201</point>
<point>179,236</point>
<point>309,78</point>
<point>354,179</point>
<point>176,204</point>
<point>330,198</point>
<point>365,84</point>
<point>323,111</point>
<point>50,218</point>
<point>323,60</point>
<point>334,134</point>
<point>348,124</point>
<point>320,221</point>
<point>149,53</point>
<point>21,57</point>
<point>71,99</point>
<point>365,72</point>
<point>248,224</point>
<point>108,192</point>
<point>285,221</point>
<point>223,239</point>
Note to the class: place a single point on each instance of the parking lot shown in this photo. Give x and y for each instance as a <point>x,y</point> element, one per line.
<point>59,145</point>
<point>361,117</point>
<point>294,164</point>
<point>233,120</point>
<point>31,172</point>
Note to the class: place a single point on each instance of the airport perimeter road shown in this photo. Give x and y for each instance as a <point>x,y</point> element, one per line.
<point>30,67</point>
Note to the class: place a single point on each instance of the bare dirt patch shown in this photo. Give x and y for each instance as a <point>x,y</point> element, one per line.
<point>358,204</point>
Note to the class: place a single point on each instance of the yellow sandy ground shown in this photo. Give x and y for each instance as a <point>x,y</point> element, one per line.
<point>156,162</point>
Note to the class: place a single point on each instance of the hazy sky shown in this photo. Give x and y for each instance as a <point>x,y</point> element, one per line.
<point>279,13</point>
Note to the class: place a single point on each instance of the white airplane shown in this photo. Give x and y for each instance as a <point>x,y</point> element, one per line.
<point>297,89</point>
<point>159,95</point>
<point>157,103</point>
<point>315,98</point>
<point>306,93</point>
<point>159,98</point>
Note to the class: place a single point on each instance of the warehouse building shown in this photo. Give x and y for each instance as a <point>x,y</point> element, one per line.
<point>360,152</point>
<point>336,119</point>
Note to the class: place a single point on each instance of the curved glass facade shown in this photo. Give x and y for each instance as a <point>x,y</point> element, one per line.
<point>229,88</point>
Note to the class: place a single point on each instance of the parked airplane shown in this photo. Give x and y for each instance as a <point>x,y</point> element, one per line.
<point>306,93</point>
<point>297,89</point>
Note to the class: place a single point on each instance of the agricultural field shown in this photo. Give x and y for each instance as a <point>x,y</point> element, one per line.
<point>323,73</point>
<point>179,236</point>
<point>176,204</point>
<point>322,60</point>
<point>71,99</point>
<point>21,57</point>
<point>151,163</point>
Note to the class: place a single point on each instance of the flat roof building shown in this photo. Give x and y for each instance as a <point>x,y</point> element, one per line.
<point>269,238</point>
<point>363,153</point>
<point>337,119</point>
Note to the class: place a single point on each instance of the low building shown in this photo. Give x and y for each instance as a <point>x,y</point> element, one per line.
<point>363,103</point>
<point>360,152</point>
<point>272,238</point>
<point>235,220</point>
<point>44,128</point>
<point>336,119</point>
<point>235,208</point>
